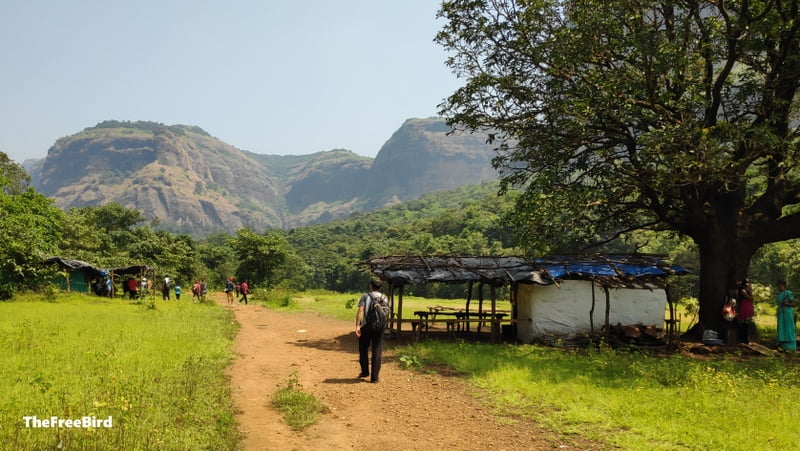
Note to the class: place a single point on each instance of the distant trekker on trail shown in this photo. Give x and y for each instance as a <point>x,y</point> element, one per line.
<point>229,286</point>
<point>244,289</point>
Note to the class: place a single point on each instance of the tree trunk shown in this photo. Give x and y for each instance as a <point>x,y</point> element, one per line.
<point>724,261</point>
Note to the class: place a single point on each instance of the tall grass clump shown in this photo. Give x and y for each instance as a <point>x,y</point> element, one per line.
<point>158,373</point>
<point>279,298</point>
<point>299,409</point>
<point>634,401</point>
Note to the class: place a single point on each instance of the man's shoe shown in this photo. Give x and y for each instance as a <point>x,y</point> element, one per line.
<point>374,381</point>
<point>363,375</point>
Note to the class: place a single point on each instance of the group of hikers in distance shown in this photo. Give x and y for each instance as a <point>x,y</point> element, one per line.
<point>140,288</point>
<point>134,288</point>
<point>238,289</point>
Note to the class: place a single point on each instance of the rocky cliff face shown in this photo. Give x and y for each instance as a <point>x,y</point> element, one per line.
<point>193,182</point>
<point>421,158</point>
<point>180,175</point>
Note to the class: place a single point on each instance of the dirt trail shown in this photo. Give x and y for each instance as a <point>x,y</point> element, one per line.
<point>406,411</point>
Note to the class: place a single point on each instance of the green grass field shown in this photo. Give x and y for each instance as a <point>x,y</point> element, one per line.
<point>158,373</point>
<point>632,400</point>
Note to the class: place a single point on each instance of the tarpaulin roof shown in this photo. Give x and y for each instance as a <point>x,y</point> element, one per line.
<point>613,270</point>
<point>77,265</point>
<point>65,263</point>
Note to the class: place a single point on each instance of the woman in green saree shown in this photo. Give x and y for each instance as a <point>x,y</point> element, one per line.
<point>787,336</point>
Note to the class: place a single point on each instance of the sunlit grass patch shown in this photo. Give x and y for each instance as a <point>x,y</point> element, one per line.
<point>159,373</point>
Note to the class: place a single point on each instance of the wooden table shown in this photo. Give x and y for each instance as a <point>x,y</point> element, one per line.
<point>460,321</point>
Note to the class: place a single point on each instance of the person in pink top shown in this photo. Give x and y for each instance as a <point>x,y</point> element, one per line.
<point>244,289</point>
<point>744,311</point>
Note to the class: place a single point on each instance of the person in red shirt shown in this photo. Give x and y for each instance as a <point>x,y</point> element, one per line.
<point>244,289</point>
<point>133,287</point>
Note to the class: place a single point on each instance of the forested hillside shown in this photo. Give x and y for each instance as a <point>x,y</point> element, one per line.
<point>467,221</point>
<point>472,220</point>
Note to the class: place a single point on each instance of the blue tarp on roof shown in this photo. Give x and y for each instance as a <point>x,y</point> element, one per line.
<point>560,271</point>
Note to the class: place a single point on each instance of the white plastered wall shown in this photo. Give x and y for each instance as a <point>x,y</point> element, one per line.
<point>549,310</point>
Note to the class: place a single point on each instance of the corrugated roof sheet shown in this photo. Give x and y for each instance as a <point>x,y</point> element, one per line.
<point>613,270</point>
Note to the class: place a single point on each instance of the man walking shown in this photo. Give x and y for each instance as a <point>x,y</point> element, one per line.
<point>370,336</point>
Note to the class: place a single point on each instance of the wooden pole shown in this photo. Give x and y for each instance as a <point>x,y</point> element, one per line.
<point>400,309</point>
<point>672,336</point>
<point>391,306</point>
<point>608,313</point>
<point>591,312</point>
<point>495,323</point>
<point>480,298</point>
<point>514,296</point>
<point>469,298</point>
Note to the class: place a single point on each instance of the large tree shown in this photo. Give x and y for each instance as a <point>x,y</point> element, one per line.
<point>619,115</point>
<point>260,256</point>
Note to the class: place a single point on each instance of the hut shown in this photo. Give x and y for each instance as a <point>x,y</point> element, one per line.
<point>578,296</point>
<point>76,275</point>
<point>564,296</point>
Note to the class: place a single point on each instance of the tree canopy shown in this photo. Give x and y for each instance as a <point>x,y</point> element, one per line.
<point>30,226</point>
<point>620,115</point>
<point>13,177</point>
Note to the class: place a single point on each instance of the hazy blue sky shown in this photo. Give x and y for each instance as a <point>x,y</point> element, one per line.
<point>288,77</point>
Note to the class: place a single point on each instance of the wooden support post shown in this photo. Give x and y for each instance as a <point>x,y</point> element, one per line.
<point>400,309</point>
<point>495,323</point>
<point>391,306</point>
<point>480,305</point>
<point>608,313</point>
<point>514,297</point>
<point>469,298</point>
<point>591,312</point>
<point>672,323</point>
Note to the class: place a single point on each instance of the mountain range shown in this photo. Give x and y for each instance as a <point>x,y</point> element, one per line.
<point>195,183</point>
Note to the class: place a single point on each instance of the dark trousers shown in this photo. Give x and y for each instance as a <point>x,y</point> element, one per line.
<point>244,298</point>
<point>743,331</point>
<point>370,338</point>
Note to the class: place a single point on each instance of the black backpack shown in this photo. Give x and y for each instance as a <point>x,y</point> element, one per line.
<point>377,312</point>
